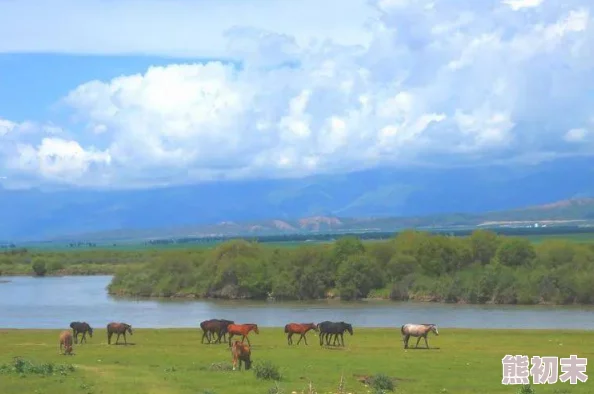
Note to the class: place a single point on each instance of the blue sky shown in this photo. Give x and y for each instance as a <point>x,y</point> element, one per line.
<point>120,94</point>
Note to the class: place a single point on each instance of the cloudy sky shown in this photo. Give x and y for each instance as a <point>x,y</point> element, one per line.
<point>132,93</point>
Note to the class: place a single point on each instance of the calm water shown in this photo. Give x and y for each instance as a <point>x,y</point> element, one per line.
<point>27,302</point>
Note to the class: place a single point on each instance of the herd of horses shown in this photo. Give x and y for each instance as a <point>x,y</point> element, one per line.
<point>217,330</point>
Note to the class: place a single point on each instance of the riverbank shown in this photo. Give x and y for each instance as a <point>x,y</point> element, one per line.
<point>174,361</point>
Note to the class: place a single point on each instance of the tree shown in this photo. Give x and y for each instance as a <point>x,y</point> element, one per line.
<point>39,267</point>
<point>514,252</point>
<point>484,245</point>
<point>356,277</point>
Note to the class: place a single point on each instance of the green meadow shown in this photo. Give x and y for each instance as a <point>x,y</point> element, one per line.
<point>174,361</point>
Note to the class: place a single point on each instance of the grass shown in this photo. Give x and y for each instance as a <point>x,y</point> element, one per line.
<point>174,361</point>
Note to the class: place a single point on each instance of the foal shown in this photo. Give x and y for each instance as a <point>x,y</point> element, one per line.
<point>241,353</point>
<point>66,342</point>
<point>417,330</point>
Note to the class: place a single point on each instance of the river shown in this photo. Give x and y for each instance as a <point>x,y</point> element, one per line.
<point>28,302</point>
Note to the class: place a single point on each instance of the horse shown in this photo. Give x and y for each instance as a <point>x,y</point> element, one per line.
<point>241,353</point>
<point>66,342</point>
<point>298,328</point>
<point>118,328</point>
<point>81,328</point>
<point>243,330</point>
<point>212,326</point>
<point>417,330</point>
<point>327,329</point>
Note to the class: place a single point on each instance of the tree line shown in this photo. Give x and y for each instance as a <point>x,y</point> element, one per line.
<point>480,268</point>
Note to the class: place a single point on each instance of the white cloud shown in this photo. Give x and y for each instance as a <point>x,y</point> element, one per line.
<point>576,135</point>
<point>475,80</point>
<point>171,28</point>
<point>521,4</point>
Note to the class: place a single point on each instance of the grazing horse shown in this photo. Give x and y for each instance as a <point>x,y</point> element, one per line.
<point>327,329</point>
<point>214,326</point>
<point>298,328</point>
<point>241,353</point>
<point>118,328</point>
<point>417,330</point>
<point>66,342</point>
<point>81,328</point>
<point>243,330</point>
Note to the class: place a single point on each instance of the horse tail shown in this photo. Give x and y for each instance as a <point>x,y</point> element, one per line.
<point>402,329</point>
<point>286,328</point>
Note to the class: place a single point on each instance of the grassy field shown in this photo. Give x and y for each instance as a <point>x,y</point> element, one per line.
<point>174,361</point>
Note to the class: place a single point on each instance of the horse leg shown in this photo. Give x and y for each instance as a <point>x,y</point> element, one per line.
<point>289,341</point>
<point>109,334</point>
<point>405,340</point>
<point>118,338</point>
<point>417,345</point>
<point>426,344</point>
<point>248,339</point>
<point>125,342</point>
<point>300,338</point>
<point>230,336</point>
<point>342,338</point>
<point>84,337</point>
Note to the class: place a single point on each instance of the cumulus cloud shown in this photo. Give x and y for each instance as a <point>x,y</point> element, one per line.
<point>467,84</point>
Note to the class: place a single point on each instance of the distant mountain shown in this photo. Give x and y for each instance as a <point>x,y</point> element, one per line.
<point>574,213</point>
<point>415,195</point>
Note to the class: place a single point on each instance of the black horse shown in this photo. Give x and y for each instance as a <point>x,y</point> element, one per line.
<point>215,326</point>
<point>328,329</point>
<point>81,328</point>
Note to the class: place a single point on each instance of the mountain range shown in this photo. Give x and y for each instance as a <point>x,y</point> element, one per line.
<point>370,199</point>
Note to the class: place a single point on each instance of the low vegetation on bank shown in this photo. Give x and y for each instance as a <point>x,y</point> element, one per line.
<point>481,268</point>
<point>373,361</point>
<point>21,261</point>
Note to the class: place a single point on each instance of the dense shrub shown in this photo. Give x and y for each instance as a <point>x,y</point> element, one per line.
<point>481,268</point>
<point>267,371</point>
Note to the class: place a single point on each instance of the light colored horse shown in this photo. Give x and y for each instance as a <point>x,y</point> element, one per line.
<point>417,330</point>
<point>66,342</point>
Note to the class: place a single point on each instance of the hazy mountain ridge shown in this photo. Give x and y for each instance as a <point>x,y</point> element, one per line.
<point>417,196</point>
<point>573,212</point>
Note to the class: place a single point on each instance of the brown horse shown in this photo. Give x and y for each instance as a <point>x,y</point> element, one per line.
<point>66,342</point>
<point>299,328</point>
<point>417,330</point>
<point>243,330</point>
<point>118,328</point>
<point>241,353</point>
<point>214,326</point>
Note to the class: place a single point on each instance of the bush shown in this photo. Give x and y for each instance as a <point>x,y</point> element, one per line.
<point>267,371</point>
<point>526,389</point>
<point>55,266</point>
<point>39,267</point>
<point>25,367</point>
<point>382,383</point>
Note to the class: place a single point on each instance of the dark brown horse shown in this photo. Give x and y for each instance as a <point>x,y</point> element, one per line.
<point>241,353</point>
<point>298,328</point>
<point>214,326</point>
<point>81,328</point>
<point>66,342</point>
<point>243,330</point>
<point>118,328</point>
